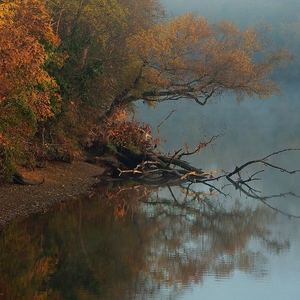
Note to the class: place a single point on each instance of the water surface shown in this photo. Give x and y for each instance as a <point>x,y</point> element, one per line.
<point>144,242</point>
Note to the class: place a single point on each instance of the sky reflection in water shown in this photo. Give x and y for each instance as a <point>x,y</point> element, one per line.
<point>251,130</point>
<point>110,247</point>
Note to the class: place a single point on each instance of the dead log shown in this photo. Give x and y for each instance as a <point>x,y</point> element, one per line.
<point>151,166</point>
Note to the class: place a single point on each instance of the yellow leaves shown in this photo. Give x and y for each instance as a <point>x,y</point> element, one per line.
<point>168,49</point>
<point>191,58</point>
<point>251,43</point>
<point>6,13</point>
<point>44,267</point>
<point>121,115</point>
<point>228,29</point>
<point>26,89</point>
<point>98,19</point>
<point>120,209</point>
<point>3,140</point>
<point>22,55</point>
<point>170,40</point>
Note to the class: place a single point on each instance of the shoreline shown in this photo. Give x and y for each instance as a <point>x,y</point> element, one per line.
<point>63,181</point>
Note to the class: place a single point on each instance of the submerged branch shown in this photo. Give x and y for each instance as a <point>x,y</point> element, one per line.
<point>156,169</point>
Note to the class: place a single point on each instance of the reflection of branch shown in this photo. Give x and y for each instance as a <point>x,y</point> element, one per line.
<point>278,210</point>
<point>215,188</point>
<point>163,170</point>
<point>172,194</point>
<point>252,192</point>
<point>275,245</point>
<point>253,195</point>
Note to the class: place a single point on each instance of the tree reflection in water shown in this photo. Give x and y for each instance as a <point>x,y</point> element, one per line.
<point>130,242</point>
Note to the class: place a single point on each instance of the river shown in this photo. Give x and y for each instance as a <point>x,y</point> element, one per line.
<point>146,242</point>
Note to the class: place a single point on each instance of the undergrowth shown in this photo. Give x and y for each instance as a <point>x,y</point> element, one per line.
<point>123,132</point>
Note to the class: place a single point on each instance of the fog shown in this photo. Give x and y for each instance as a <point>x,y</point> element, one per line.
<point>244,12</point>
<point>282,16</point>
<point>249,130</point>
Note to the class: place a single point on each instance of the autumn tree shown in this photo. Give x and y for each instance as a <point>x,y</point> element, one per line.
<point>189,58</point>
<point>26,42</point>
<point>85,28</point>
<point>94,35</point>
<point>28,94</point>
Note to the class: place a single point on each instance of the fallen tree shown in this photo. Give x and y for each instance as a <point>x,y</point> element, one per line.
<point>169,172</point>
<point>155,166</point>
<point>127,149</point>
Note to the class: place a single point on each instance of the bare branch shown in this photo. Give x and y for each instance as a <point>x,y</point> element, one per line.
<point>264,162</point>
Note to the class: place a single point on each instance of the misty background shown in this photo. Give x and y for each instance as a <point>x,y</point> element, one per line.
<point>253,128</point>
<point>249,130</point>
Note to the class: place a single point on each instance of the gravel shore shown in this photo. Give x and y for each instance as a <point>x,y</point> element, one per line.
<point>63,181</point>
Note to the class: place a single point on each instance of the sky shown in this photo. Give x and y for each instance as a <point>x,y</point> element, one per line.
<point>244,12</point>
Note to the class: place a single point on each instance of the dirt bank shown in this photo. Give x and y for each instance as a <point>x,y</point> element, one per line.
<point>63,181</point>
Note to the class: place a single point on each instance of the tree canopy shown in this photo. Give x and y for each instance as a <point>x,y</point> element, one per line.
<point>67,65</point>
<point>28,94</point>
<point>186,57</point>
<point>25,33</point>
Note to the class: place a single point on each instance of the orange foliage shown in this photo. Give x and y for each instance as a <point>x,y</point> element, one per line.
<point>125,199</point>
<point>187,57</point>
<point>28,94</point>
<point>24,28</point>
<point>122,132</point>
<point>120,209</point>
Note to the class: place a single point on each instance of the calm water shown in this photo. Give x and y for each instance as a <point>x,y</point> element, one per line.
<point>137,242</point>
